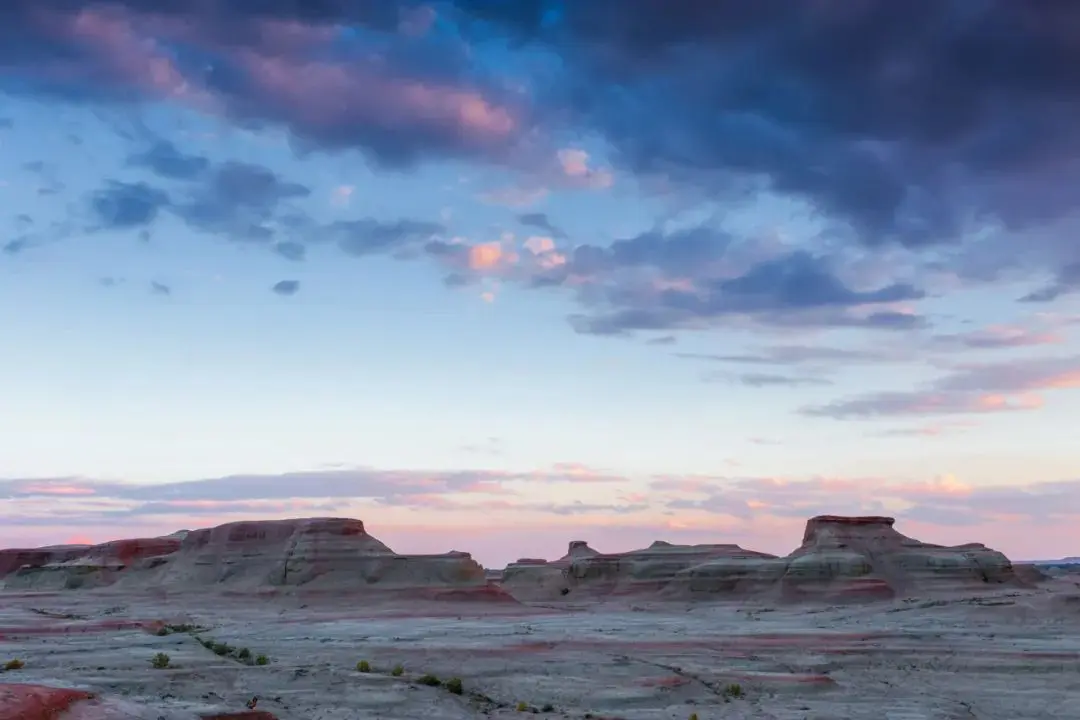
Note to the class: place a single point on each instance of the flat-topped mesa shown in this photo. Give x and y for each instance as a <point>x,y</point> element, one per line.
<point>865,557</point>
<point>318,553</point>
<point>841,525</point>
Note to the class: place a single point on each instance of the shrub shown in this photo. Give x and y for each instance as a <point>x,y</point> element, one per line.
<point>398,670</point>
<point>548,707</point>
<point>522,706</point>
<point>454,685</point>
<point>243,654</point>
<point>430,680</point>
<point>262,660</point>
<point>693,716</point>
<point>221,648</point>
<point>363,666</point>
<point>733,690</point>
<point>14,664</point>
<point>160,661</point>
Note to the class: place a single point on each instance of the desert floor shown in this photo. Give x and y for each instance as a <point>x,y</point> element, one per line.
<point>1006,655</point>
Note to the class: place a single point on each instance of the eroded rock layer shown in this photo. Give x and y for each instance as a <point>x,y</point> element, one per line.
<point>840,559</point>
<point>314,553</point>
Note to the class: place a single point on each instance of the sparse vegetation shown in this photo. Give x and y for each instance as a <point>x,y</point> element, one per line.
<point>548,707</point>
<point>429,680</point>
<point>454,686</point>
<point>363,666</point>
<point>178,628</point>
<point>14,664</point>
<point>522,706</point>
<point>244,654</point>
<point>161,661</point>
<point>732,690</point>
<point>262,660</point>
<point>693,716</point>
<point>398,670</point>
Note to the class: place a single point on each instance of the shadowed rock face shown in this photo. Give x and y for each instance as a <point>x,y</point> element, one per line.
<point>316,553</point>
<point>840,559</point>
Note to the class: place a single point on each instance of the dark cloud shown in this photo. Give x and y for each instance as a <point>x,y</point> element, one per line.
<point>165,160</point>
<point>1066,283</point>
<point>369,236</point>
<point>795,288</point>
<point>16,246</point>
<point>239,200</point>
<point>125,206</point>
<point>540,221</point>
<point>291,250</point>
<point>970,389</point>
<point>286,287</point>
<point>280,64</point>
<point>903,119</point>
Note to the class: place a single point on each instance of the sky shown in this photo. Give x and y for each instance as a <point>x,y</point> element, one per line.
<point>492,276</point>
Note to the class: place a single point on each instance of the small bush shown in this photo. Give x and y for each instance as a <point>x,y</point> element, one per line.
<point>430,680</point>
<point>243,654</point>
<point>398,670</point>
<point>363,666</point>
<point>14,664</point>
<point>160,661</point>
<point>522,706</point>
<point>548,707</point>
<point>733,690</point>
<point>454,685</point>
<point>221,648</point>
<point>693,716</point>
<point>262,660</point>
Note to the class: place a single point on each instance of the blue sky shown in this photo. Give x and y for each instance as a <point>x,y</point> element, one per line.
<point>492,284</point>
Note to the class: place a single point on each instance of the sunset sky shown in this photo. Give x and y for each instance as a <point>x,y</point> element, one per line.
<point>492,276</point>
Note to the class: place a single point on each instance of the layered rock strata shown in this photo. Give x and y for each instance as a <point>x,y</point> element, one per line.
<point>840,559</point>
<point>315,553</point>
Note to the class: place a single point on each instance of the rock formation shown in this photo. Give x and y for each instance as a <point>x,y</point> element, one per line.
<point>316,553</point>
<point>840,559</point>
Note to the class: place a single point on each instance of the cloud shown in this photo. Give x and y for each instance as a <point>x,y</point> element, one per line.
<point>943,500</point>
<point>413,100</point>
<point>158,288</point>
<point>123,206</point>
<point>540,221</point>
<point>970,389</point>
<point>286,287</point>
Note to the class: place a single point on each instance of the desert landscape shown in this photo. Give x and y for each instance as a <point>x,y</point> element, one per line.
<point>315,619</point>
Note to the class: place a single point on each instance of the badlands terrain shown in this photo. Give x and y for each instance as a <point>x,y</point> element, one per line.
<point>315,619</point>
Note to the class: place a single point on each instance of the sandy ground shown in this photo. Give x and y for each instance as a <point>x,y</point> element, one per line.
<point>1006,655</point>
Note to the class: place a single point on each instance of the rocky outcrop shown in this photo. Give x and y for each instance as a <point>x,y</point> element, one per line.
<point>316,553</point>
<point>83,566</point>
<point>841,559</point>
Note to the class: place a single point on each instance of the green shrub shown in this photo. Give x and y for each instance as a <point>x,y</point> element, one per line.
<point>430,680</point>
<point>14,664</point>
<point>363,666</point>
<point>398,670</point>
<point>522,706</point>
<point>160,661</point>
<point>454,685</point>
<point>243,654</point>
<point>733,690</point>
<point>262,660</point>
